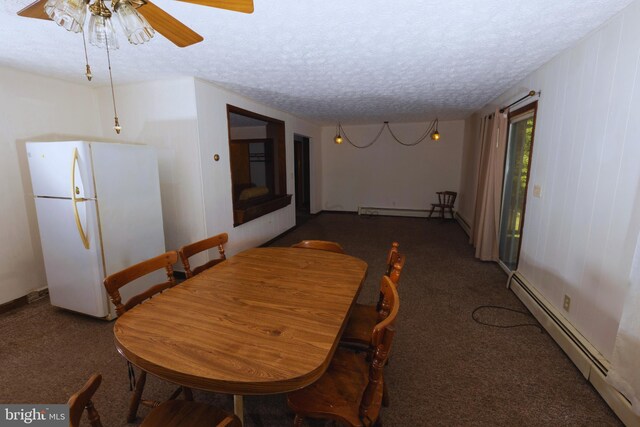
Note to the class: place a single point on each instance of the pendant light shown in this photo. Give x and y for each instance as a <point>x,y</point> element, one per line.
<point>135,26</point>
<point>69,14</point>
<point>101,33</point>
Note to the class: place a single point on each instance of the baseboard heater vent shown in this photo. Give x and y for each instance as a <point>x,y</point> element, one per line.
<point>368,210</point>
<point>597,361</point>
<point>591,363</point>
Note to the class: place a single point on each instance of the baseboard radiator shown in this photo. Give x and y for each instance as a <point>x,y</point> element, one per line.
<point>591,363</point>
<point>369,210</point>
<point>463,223</point>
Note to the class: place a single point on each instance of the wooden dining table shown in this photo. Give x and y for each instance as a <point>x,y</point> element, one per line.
<point>264,321</point>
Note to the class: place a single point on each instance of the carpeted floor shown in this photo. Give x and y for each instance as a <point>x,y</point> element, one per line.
<point>445,370</point>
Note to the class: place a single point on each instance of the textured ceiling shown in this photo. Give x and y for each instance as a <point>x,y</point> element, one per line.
<point>356,61</point>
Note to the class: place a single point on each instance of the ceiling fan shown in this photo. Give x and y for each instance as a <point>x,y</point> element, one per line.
<point>129,12</point>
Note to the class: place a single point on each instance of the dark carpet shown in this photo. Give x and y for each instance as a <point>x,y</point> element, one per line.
<point>445,370</point>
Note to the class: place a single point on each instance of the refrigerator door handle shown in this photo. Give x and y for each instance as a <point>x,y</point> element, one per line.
<point>76,200</point>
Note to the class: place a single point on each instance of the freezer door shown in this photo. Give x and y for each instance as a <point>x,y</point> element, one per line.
<point>74,273</point>
<point>55,166</point>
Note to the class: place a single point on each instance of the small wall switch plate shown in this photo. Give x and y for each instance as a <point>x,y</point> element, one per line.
<point>567,303</point>
<point>537,191</point>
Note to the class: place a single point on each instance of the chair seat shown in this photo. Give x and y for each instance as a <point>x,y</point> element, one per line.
<point>338,393</point>
<point>183,413</point>
<point>362,320</point>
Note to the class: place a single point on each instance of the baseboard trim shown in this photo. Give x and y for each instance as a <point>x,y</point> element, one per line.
<point>589,361</point>
<point>24,300</point>
<point>463,223</point>
<point>338,212</point>
<point>13,304</point>
<point>378,211</point>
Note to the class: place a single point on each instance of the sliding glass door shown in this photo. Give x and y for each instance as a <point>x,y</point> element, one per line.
<point>516,178</point>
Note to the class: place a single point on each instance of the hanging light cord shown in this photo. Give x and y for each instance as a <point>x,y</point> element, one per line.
<point>386,125</point>
<point>86,57</point>
<point>361,146</point>
<point>113,95</point>
<point>422,138</point>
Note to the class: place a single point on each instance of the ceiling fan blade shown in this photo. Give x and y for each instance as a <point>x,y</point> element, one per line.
<point>168,26</point>
<point>35,10</point>
<point>245,6</point>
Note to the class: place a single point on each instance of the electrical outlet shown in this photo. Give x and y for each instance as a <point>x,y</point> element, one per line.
<point>567,303</point>
<point>537,191</point>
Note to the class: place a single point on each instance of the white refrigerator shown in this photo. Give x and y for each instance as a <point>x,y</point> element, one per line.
<point>99,211</point>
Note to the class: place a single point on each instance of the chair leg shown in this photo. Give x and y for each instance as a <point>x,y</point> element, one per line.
<point>136,397</point>
<point>188,394</point>
<point>297,421</point>
<point>385,395</point>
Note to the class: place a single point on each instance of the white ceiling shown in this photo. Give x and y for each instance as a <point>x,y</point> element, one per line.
<point>358,61</point>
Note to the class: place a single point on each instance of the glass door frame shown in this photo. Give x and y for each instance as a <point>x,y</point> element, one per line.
<point>531,107</point>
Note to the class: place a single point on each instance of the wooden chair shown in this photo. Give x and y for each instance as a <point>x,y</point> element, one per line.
<point>183,413</point>
<point>321,245</point>
<point>187,251</point>
<point>352,388</point>
<point>446,199</point>
<point>364,317</point>
<point>173,413</point>
<point>82,400</point>
<point>113,283</point>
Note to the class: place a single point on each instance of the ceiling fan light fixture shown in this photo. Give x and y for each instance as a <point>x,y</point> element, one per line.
<point>69,14</point>
<point>101,31</point>
<point>135,26</point>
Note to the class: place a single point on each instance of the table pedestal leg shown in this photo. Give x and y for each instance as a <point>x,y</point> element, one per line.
<point>238,407</point>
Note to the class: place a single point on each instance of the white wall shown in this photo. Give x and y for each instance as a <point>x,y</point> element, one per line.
<point>163,114</point>
<point>160,113</point>
<point>186,120</point>
<point>388,174</point>
<point>579,236</point>
<point>32,108</point>
<point>469,169</point>
<point>212,103</point>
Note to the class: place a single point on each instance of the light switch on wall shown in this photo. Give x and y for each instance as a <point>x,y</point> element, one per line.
<point>537,191</point>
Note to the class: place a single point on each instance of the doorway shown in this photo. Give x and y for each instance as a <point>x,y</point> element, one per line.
<point>516,179</point>
<point>302,178</point>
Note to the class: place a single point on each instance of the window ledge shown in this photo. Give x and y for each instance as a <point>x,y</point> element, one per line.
<point>246,214</point>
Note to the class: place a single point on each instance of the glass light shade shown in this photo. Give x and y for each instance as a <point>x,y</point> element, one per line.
<point>337,139</point>
<point>135,26</point>
<point>69,14</point>
<point>101,32</point>
<point>435,135</point>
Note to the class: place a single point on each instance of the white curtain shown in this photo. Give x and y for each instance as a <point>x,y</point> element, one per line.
<point>486,224</point>
<point>625,365</point>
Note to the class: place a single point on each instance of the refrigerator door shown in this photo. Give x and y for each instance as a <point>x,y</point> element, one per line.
<point>74,274</point>
<point>130,210</point>
<point>55,166</point>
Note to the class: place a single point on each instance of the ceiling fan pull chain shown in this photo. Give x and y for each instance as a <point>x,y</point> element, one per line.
<point>86,57</point>
<point>116,126</point>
